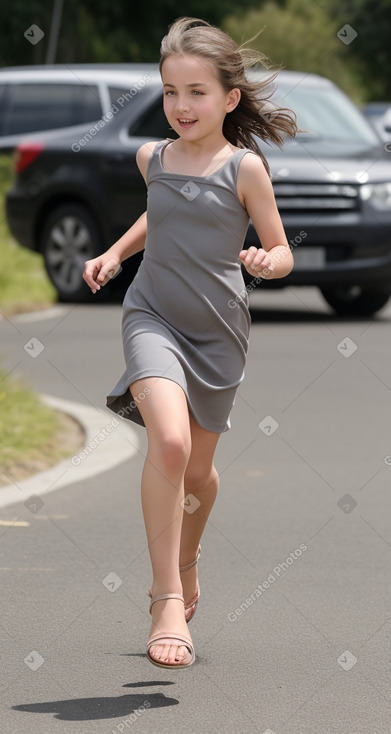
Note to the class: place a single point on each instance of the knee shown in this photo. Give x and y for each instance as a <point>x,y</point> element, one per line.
<point>173,450</point>
<point>201,477</point>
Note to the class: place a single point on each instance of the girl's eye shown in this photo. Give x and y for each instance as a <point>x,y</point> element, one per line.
<point>170,93</point>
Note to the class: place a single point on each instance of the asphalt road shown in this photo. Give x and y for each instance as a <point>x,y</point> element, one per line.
<point>292,634</point>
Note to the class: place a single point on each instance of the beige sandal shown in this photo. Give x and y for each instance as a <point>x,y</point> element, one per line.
<point>186,642</point>
<point>192,605</point>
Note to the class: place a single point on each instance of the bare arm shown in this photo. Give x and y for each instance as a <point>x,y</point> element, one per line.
<point>132,241</point>
<point>274,259</point>
<point>101,269</point>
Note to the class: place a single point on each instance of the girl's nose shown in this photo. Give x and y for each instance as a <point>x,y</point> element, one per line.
<point>182,104</point>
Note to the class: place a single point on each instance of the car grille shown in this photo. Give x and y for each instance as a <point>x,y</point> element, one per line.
<point>321,198</point>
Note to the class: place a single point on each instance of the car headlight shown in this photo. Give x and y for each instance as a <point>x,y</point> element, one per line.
<point>379,195</point>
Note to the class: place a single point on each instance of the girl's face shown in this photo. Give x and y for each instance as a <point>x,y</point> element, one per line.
<point>195,102</point>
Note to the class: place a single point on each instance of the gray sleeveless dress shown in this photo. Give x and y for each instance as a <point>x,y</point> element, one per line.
<point>185,315</point>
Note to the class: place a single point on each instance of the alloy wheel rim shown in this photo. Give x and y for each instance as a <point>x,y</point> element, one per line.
<point>69,246</point>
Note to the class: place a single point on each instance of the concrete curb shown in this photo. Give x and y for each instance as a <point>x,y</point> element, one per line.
<point>43,314</point>
<point>109,441</point>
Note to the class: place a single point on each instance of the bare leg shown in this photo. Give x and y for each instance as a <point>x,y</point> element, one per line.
<point>166,417</point>
<point>201,481</point>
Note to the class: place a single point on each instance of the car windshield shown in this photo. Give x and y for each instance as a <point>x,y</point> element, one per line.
<point>326,115</point>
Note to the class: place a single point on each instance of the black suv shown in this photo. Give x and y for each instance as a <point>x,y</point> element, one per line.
<point>76,194</point>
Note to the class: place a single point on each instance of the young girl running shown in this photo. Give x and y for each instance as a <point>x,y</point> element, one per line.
<point>185,315</point>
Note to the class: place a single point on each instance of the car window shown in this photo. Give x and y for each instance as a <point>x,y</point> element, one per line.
<point>327,114</point>
<point>34,107</point>
<point>153,124</point>
<point>119,95</point>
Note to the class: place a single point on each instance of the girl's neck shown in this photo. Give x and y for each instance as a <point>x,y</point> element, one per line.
<point>195,160</point>
<point>202,149</point>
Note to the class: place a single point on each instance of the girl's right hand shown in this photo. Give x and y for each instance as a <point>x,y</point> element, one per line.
<point>100,270</point>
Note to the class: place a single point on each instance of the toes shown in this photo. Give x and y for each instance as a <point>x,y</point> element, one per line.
<point>168,653</point>
<point>155,651</point>
<point>176,654</point>
<point>161,653</point>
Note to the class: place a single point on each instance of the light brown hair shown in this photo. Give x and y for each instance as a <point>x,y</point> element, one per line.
<point>254,115</point>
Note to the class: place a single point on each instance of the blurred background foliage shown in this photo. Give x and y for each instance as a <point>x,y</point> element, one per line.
<point>297,34</point>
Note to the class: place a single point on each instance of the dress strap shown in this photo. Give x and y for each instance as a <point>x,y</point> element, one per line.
<point>154,160</point>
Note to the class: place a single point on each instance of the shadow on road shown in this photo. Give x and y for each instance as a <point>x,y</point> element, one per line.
<point>131,705</point>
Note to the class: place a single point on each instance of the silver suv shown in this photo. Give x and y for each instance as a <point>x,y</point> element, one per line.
<point>44,98</point>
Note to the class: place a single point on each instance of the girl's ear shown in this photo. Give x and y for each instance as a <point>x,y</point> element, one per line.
<point>233,99</point>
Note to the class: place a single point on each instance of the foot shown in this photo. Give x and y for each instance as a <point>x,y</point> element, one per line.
<point>191,589</point>
<point>167,616</point>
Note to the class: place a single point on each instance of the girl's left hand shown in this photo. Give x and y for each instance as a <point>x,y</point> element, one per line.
<point>257,262</point>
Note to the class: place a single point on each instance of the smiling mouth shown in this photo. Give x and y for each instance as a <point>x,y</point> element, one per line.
<point>185,122</point>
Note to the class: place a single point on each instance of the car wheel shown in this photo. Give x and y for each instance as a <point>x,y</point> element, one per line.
<point>70,236</point>
<point>356,300</point>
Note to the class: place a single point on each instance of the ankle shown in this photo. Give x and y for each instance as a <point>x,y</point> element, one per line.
<point>188,556</point>
<point>165,588</point>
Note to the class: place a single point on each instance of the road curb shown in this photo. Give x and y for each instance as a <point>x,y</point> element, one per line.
<point>109,441</point>
<point>39,314</point>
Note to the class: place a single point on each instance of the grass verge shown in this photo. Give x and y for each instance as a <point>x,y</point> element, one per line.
<point>33,436</point>
<point>24,285</point>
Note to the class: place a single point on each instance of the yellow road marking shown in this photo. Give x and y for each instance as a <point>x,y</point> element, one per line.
<point>16,523</point>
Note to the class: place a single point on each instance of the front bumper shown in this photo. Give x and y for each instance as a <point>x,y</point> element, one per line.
<point>357,249</point>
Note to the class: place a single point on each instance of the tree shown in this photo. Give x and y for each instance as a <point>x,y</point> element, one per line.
<point>300,36</point>
<point>371,50</point>
<point>100,30</point>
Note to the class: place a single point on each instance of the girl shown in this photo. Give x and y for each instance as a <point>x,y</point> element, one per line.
<point>185,315</point>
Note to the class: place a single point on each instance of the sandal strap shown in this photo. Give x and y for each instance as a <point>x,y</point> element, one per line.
<point>193,600</point>
<point>193,563</point>
<point>162,597</point>
<point>171,636</point>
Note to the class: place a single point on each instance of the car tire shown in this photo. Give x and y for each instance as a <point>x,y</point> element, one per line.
<point>70,236</point>
<point>356,300</point>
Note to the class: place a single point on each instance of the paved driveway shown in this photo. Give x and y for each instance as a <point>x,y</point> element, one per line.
<point>292,634</point>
